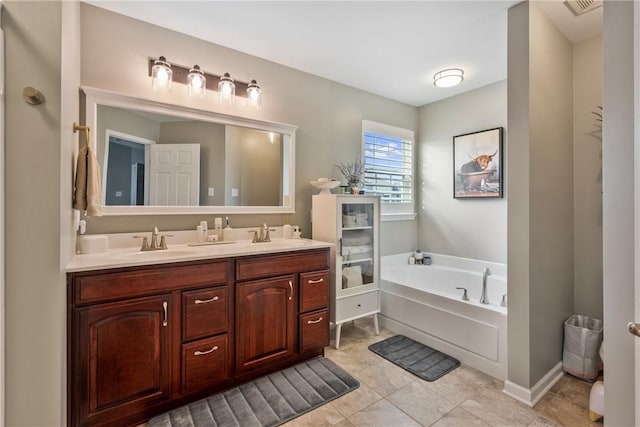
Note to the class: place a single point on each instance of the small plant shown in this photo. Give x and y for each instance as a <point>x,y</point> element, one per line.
<point>352,171</point>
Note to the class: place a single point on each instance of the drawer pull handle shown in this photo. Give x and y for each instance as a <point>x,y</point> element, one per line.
<point>164,309</point>
<point>313,282</point>
<point>311,322</point>
<point>200,353</point>
<point>204,301</point>
<point>291,290</point>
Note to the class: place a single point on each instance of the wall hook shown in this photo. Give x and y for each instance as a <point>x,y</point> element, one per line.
<point>32,95</point>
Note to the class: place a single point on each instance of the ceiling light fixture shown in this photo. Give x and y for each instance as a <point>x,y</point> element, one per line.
<point>448,78</point>
<point>196,81</point>
<point>161,74</point>
<point>254,95</point>
<point>226,88</point>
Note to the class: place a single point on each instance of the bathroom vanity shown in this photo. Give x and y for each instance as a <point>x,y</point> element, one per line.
<point>143,339</point>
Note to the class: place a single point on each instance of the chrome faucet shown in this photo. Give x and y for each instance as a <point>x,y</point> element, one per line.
<point>483,296</point>
<point>154,245</point>
<point>262,235</point>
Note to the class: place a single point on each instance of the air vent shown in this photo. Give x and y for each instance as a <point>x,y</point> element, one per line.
<point>580,7</point>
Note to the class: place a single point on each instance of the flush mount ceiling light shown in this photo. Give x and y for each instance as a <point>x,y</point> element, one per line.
<point>254,95</point>
<point>196,81</point>
<point>449,77</point>
<point>161,74</point>
<point>226,88</point>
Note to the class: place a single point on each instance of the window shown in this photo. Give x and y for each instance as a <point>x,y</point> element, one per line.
<point>388,164</point>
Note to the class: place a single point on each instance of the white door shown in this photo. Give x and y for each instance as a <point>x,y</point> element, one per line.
<point>174,174</point>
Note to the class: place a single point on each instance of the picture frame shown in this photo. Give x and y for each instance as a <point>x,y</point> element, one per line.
<point>477,164</point>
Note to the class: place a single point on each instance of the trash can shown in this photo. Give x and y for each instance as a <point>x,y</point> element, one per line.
<point>582,338</point>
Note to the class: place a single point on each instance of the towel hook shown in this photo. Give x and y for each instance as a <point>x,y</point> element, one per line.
<point>77,127</point>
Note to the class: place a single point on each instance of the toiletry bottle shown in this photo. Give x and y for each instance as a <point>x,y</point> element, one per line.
<point>287,231</point>
<point>226,233</point>
<point>217,225</point>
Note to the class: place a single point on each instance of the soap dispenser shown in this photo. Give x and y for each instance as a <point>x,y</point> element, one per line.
<point>226,233</point>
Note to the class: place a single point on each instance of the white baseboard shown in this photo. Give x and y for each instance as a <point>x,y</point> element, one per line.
<point>532,396</point>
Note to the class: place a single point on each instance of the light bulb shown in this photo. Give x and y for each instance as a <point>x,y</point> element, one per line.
<point>254,95</point>
<point>226,88</point>
<point>161,74</point>
<point>196,81</point>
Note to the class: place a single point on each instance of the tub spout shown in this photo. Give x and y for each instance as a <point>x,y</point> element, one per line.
<point>483,296</point>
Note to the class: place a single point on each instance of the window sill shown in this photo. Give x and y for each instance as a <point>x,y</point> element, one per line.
<point>398,217</point>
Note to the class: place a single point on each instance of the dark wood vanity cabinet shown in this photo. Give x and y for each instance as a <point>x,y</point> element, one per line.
<point>144,340</point>
<point>123,352</point>
<point>265,321</point>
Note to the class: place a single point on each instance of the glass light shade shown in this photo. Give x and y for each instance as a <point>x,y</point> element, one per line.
<point>254,95</point>
<point>196,82</point>
<point>161,74</point>
<point>226,88</point>
<point>448,78</point>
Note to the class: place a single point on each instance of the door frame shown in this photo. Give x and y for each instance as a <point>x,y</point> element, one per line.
<point>2,234</point>
<point>105,161</point>
<point>636,173</point>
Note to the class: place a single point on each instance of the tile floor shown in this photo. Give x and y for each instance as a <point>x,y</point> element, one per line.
<point>388,396</point>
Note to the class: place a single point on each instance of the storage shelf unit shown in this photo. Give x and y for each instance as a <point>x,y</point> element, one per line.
<point>352,223</point>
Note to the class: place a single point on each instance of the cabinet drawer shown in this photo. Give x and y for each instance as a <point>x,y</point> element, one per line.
<point>205,312</point>
<point>204,363</point>
<point>357,305</point>
<point>314,291</point>
<point>314,330</point>
<point>110,286</point>
<point>277,265</point>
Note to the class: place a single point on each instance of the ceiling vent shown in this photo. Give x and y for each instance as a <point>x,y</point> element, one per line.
<point>580,7</point>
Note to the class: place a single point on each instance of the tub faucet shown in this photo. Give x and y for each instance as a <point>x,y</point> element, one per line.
<point>483,296</point>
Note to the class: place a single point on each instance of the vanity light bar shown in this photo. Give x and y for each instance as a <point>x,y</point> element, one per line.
<point>181,74</point>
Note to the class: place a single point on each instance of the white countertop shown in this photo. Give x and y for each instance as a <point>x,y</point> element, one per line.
<point>179,252</point>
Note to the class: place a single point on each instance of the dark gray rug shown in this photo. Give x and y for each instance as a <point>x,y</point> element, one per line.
<point>267,401</point>
<point>419,359</point>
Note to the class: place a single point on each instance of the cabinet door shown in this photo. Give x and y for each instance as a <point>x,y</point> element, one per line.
<point>265,321</point>
<point>358,246</point>
<point>122,361</point>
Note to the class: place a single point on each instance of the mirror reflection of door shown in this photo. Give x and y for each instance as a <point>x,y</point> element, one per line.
<point>174,174</point>
<point>125,176</point>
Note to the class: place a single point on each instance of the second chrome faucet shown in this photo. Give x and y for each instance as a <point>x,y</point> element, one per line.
<point>261,235</point>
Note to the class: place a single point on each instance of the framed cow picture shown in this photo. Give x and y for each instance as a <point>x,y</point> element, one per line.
<point>477,164</point>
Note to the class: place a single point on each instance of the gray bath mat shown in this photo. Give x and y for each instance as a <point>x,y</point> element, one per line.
<point>267,401</point>
<point>419,359</point>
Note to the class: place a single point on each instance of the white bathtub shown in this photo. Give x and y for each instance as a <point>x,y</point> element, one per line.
<point>421,302</point>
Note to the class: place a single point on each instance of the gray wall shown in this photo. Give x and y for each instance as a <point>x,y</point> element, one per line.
<point>328,114</point>
<point>540,131</point>
<point>38,233</point>
<point>587,178</point>
<point>471,228</point>
<point>619,189</point>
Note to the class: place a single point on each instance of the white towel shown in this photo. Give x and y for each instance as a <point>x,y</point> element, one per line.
<point>88,190</point>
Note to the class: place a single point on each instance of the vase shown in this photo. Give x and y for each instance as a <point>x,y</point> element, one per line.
<point>354,186</point>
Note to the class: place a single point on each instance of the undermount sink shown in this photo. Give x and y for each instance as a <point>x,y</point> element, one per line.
<point>161,254</point>
<point>280,244</point>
